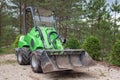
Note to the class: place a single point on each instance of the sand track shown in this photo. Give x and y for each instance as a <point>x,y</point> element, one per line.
<point>10,70</point>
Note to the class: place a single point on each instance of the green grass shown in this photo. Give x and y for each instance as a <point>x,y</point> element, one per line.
<point>8,50</point>
<point>102,73</point>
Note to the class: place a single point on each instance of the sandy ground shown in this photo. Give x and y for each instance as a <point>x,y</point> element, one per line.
<point>10,70</point>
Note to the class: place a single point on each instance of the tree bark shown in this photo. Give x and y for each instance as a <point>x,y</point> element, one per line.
<point>25,4</point>
<point>1,6</point>
<point>0,22</point>
<point>20,7</point>
<point>115,28</point>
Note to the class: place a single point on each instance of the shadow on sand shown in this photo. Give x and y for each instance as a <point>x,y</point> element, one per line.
<point>68,74</point>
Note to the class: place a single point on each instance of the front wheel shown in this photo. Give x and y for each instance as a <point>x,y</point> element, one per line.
<point>23,56</point>
<point>36,63</point>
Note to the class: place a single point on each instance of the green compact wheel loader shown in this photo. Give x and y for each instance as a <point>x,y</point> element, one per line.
<point>41,45</point>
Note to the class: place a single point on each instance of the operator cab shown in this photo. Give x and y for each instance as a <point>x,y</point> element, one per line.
<point>44,17</point>
<point>38,17</point>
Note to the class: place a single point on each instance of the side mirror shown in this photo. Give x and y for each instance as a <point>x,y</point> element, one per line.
<point>63,40</point>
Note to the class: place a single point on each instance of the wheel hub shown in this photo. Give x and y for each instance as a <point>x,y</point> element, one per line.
<point>19,57</point>
<point>34,62</point>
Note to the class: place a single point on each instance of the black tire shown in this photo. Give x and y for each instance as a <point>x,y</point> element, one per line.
<point>23,56</point>
<point>36,63</point>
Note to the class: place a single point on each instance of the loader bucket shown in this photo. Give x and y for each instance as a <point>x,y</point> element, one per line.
<point>58,60</point>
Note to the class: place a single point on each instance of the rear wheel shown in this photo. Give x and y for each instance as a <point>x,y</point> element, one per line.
<point>23,56</point>
<point>36,63</point>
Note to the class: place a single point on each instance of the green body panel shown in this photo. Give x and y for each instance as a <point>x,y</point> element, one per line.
<point>33,40</point>
<point>22,42</point>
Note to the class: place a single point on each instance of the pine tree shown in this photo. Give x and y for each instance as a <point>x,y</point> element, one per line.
<point>116,9</point>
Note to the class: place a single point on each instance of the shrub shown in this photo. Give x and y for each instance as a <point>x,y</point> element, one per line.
<point>72,43</point>
<point>15,44</point>
<point>115,54</point>
<point>0,46</point>
<point>0,49</point>
<point>92,46</point>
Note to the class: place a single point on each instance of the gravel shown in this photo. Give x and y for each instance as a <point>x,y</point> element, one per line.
<point>11,70</point>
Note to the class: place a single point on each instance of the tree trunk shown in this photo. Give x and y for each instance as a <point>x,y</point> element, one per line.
<point>25,4</point>
<point>0,23</point>
<point>115,28</point>
<point>92,29</point>
<point>20,7</point>
<point>0,19</point>
<point>59,25</point>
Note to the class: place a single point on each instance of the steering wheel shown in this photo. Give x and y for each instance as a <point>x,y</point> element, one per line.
<point>49,40</point>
